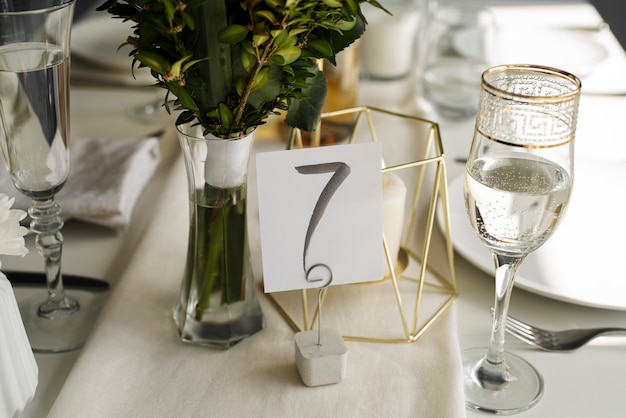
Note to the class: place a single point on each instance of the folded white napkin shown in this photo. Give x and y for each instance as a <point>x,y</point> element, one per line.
<point>18,379</point>
<point>106,179</point>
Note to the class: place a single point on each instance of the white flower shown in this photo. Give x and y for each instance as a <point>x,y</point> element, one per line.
<point>11,233</point>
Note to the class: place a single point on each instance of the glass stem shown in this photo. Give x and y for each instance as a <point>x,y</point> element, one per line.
<point>46,224</point>
<point>492,371</point>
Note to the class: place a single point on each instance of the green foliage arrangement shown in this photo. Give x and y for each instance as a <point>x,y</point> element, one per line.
<point>231,63</point>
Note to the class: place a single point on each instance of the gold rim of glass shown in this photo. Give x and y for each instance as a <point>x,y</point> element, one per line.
<point>531,68</point>
<point>527,146</point>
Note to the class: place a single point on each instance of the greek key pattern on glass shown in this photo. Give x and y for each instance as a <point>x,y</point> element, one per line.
<point>508,116</point>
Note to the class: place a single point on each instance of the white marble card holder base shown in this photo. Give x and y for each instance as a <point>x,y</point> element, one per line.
<point>322,364</point>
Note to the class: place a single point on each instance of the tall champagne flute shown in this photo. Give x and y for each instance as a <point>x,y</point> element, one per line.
<point>517,185</point>
<point>34,116</point>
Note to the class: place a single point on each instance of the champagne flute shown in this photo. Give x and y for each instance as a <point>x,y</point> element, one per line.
<point>34,116</point>
<point>518,180</point>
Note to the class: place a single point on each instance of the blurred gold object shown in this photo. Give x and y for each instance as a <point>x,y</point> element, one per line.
<point>343,85</point>
<point>421,283</point>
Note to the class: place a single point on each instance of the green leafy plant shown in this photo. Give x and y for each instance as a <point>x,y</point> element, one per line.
<point>231,63</point>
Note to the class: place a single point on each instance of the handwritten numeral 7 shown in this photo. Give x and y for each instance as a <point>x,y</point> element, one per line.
<point>341,171</point>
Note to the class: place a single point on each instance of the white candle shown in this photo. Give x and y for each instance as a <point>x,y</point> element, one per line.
<point>389,42</point>
<point>394,197</point>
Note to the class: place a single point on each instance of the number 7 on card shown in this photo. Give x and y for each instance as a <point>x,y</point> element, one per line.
<point>320,214</point>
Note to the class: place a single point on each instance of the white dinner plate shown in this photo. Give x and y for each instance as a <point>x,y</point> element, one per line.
<point>97,39</point>
<point>582,262</point>
<point>575,51</point>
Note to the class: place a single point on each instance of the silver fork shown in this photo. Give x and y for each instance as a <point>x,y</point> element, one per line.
<point>565,340</point>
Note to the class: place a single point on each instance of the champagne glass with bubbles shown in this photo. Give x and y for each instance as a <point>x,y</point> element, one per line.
<point>34,133</point>
<point>518,180</point>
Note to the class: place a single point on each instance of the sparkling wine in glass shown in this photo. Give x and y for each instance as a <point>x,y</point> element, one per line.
<point>517,185</point>
<point>34,121</point>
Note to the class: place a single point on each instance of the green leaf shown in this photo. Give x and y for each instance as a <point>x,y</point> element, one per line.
<point>278,60</point>
<point>178,65</point>
<point>259,39</point>
<point>188,20</point>
<point>226,115</point>
<point>232,34</point>
<point>183,96</point>
<point>154,61</point>
<point>269,91</point>
<point>275,4</point>
<point>379,6</point>
<point>170,9</point>
<point>341,40</point>
<point>247,47</point>
<point>185,117</point>
<point>305,113</point>
<point>240,86</point>
<point>190,64</point>
<point>297,31</point>
<point>333,3</point>
<point>353,7</point>
<point>261,78</point>
<point>289,54</point>
<point>248,60</point>
<point>266,14</point>
<point>345,25</point>
<point>322,46</point>
<point>281,37</point>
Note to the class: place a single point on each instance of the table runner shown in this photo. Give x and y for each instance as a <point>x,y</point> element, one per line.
<point>134,365</point>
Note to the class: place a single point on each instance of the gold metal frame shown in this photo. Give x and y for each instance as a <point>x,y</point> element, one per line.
<point>425,250</point>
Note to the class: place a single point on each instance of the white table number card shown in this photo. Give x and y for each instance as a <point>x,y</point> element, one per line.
<point>320,215</point>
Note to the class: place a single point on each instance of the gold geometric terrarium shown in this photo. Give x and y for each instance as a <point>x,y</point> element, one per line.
<point>420,284</point>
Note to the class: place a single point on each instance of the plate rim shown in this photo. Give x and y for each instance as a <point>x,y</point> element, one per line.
<point>520,281</point>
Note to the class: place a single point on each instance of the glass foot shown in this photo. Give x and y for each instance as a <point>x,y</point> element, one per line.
<point>67,331</point>
<point>520,392</point>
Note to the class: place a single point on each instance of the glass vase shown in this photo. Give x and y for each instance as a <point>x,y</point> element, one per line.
<point>218,305</point>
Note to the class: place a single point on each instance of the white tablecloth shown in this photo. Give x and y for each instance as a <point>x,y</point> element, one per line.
<point>135,366</point>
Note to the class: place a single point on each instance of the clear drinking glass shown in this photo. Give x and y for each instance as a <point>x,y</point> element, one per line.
<point>456,49</point>
<point>34,116</point>
<point>518,180</point>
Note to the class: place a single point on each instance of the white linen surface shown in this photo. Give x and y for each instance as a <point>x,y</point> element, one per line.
<point>134,365</point>
<point>106,179</point>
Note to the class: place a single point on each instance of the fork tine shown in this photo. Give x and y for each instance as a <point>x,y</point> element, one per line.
<point>527,340</point>
<point>522,333</point>
<point>527,337</point>
<point>527,333</point>
<point>517,329</point>
<point>520,328</point>
<point>519,324</point>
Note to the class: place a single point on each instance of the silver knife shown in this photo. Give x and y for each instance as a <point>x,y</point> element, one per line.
<point>21,278</point>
